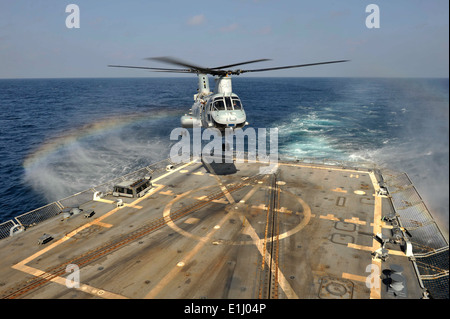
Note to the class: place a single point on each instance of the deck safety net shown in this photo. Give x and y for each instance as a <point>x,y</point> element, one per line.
<point>430,247</point>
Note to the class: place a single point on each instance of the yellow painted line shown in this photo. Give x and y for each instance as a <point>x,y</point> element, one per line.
<point>192,220</point>
<point>329,217</point>
<point>62,281</point>
<point>375,291</point>
<point>260,206</point>
<point>284,284</point>
<point>397,253</point>
<point>168,192</point>
<point>355,220</point>
<point>173,171</point>
<point>360,247</point>
<point>219,201</point>
<point>374,182</point>
<point>368,248</point>
<point>115,203</point>
<point>132,206</point>
<point>103,224</point>
<point>339,190</point>
<point>353,277</point>
<point>383,225</point>
<point>105,201</point>
<point>285,210</point>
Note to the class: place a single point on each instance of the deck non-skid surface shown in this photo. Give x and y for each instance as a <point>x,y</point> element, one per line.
<point>304,232</point>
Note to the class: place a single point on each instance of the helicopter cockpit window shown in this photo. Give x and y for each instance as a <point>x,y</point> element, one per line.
<point>219,105</point>
<point>228,102</point>
<point>237,104</point>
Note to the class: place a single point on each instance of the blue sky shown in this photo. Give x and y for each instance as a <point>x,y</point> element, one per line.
<point>412,40</point>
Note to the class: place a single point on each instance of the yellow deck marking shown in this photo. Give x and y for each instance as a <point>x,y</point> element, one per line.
<point>329,217</point>
<point>132,206</point>
<point>36,272</point>
<point>375,291</point>
<point>220,201</point>
<point>115,203</point>
<point>355,220</point>
<point>176,270</point>
<point>354,277</point>
<point>62,281</point>
<point>192,220</point>
<point>227,194</point>
<point>173,171</point>
<point>285,210</point>
<point>383,225</point>
<point>339,190</point>
<point>284,284</point>
<point>105,201</point>
<point>168,192</point>
<point>103,224</point>
<point>360,247</point>
<point>397,253</point>
<point>369,248</point>
<point>260,206</point>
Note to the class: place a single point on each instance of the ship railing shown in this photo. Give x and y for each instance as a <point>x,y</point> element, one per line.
<point>430,246</point>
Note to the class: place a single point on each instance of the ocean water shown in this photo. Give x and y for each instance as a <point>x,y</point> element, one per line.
<point>61,136</point>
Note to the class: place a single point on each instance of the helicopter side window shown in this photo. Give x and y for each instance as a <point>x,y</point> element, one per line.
<point>237,104</point>
<point>219,105</point>
<point>228,102</point>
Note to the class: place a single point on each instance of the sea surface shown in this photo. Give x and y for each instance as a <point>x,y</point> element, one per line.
<point>62,136</point>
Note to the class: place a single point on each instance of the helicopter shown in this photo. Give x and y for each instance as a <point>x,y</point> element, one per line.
<point>221,109</point>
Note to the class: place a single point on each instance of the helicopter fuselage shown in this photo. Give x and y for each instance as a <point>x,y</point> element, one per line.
<point>220,109</point>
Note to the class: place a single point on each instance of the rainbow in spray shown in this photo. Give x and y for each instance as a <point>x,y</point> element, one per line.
<point>54,144</point>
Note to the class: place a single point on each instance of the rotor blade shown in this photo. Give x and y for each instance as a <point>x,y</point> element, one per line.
<point>291,66</point>
<point>174,71</point>
<point>231,65</point>
<point>179,62</point>
<point>156,69</point>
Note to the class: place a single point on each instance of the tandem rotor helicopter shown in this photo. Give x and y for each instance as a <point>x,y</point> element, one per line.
<point>221,108</point>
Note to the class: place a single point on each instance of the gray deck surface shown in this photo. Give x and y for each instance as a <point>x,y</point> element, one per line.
<point>306,232</point>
